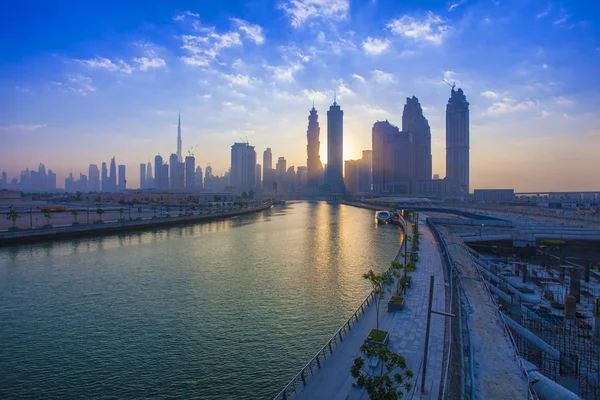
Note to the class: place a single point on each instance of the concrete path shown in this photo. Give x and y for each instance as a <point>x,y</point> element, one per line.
<point>407,335</point>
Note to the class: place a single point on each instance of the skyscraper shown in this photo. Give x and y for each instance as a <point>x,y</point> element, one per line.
<point>280,170</point>
<point>122,178</point>
<point>313,162</point>
<point>243,167</point>
<point>268,172</point>
<point>179,139</point>
<point>415,123</point>
<point>335,148</point>
<point>258,174</point>
<point>177,180</point>
<point>105,183</point>
<point>158,162</point>
<point>393,161</point>
<point>112,178</point>
<point>149,180</point>
<point>190,173</point>
<point>199,180</point>
<point>93,178</point>
<point>143,176</point>
<point>457,139</point>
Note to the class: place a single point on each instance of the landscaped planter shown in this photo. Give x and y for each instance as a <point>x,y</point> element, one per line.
<point>377,338</point>
<point>396,303</point>
<point>405,282</point>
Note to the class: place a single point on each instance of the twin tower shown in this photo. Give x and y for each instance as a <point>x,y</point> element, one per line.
<point>334,181</point>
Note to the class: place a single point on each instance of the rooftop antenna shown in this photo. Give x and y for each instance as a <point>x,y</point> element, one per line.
<point>313,103</point>
<point>452,85</point>
<point>334,94</point>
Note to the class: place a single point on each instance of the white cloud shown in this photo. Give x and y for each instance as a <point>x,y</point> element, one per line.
<point>315,95</point>
<point>544,13</point>
<point>204,49</point>
<point>80,84</point>
<point>450,76</point>
<point>431,28</point>
<point>376,110</point>
<point>544,114</point>
<point>234,107</point>
<point>321,37</point>
<point>563,101</point>
<point>344,90</point>
<point>146,63</point>
<point>253,32</point>
<point>183,15</point>
<point>358,77</point>
<point>107,64</point>
<point>545,66</point>
<point>300,11</point>
<point>20,128</point>
<point>285,73</point>
<point>24,90</point>
<point>382,77</point>
<point>509,105</point>
<point>375,46</point>
<point>490,94</point>
<point>454,5</point>
<point>239,80</point>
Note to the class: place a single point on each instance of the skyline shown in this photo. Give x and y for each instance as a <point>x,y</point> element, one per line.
<point>235,72</point>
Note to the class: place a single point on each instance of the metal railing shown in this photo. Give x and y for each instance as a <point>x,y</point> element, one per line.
<point>315,364</point>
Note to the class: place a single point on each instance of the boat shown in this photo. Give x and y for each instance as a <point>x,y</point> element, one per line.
<point>383,217</point>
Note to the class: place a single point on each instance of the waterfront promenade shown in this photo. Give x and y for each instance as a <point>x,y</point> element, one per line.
<point>110,227</point>
<point>407,334</point>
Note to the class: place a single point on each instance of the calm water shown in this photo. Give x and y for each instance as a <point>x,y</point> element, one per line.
<point>221,310</point>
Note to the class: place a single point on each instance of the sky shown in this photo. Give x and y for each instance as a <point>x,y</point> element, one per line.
<point>83,81</point>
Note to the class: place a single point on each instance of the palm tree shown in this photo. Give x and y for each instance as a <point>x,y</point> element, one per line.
<point>100,211</point>
<point>13,216</point>
<point>140,212</point>
<point>48,216</point>
<point>121,211</point>
<point>74,213</point>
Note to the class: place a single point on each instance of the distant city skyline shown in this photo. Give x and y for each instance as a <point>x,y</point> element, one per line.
<point>80,97</point>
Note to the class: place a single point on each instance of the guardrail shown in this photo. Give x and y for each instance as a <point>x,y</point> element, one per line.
<point>314,365</point>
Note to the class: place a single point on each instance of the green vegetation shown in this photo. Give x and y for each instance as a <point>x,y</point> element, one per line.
<point>74,214</point>
<point>393,379</point>
<point>100,211</point>
<point>380,281</point>
<point>139,210</point>
<point>13,216</point>
<point>397,300</point>
<point>121,211</point>
<point>48,216</point>
<point>377,336</point>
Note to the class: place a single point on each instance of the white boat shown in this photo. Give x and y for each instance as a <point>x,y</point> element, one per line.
<point>383,217</point>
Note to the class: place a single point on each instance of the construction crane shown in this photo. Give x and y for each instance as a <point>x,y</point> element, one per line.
<point>452,85</point>
<point>192,150</point>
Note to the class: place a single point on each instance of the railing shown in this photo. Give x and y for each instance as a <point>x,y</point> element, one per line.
<point>315,364</point>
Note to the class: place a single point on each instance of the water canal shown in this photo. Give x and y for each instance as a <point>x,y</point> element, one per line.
<point>219,310</point>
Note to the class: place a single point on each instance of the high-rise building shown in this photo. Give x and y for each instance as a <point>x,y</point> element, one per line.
<point>358,173</point>
<point>199,181</point>
<point>177,180</point>
<point>335,148</point>
<point>268,172</point>
<point>313,162</point>
<point>112,177</point>
<point>290,178</point>
<point>93,178</point>
<point>417,125</point>
<point>302,177</point>
<point>122,178</point>
<point>243,167</point>
<point>457,139</point>
<point>143,183</point>
<point>190,173</point>
<point>280,170</point>
<point>351,168</point>
<point>52,181</point>
<point>164,176</point>
<point>365,179</point>
<point>158,168</point>
<point>179,159</point>
<point>258,174</point>
<point>105,183</point>
<point>393,159</point>
<point>149,179</point>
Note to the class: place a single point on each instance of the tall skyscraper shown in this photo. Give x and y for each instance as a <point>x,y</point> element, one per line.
<point>457,139</point>
<point>164,177</point>
<point>143,176</point>
<point>268,172</point>
<point>393,159</point>
<point>267,159</point>
<point>105,183</point>
<point>190,173</point>
<point>149,179</point>
<point>280,170</point>
<point>415,123</point>
<point>313,162</point>
<point>258,174</point>
<point>179,158</point>
<point>365,178</point>
<point>93,178</point>
<point>122,178</point>
<point>177,180</point>
<point>243,167</point>
<point>112,177</point>
<point>158,181</point>
<point>199,181</point>
<point>335,148</point>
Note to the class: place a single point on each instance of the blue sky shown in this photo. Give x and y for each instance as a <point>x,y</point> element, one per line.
<point>81,82</point>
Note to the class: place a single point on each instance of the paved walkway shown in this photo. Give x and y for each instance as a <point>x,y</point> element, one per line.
<point>407,335</point>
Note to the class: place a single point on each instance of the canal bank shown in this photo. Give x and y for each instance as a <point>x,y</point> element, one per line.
<point>10,238</point>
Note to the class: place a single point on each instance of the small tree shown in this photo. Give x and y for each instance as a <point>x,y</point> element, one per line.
<point>154,210</point>
<point>74,213</point>
<point>393,378</point>
<point>180,210</point>
<point>48,216</point>
<point>251,193</point>
<point>379,282</point>
<point>121,211</point>
<point>100,211</point>
<point>13,216</point>
<point>244,195</point>
<point>139,210</point>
